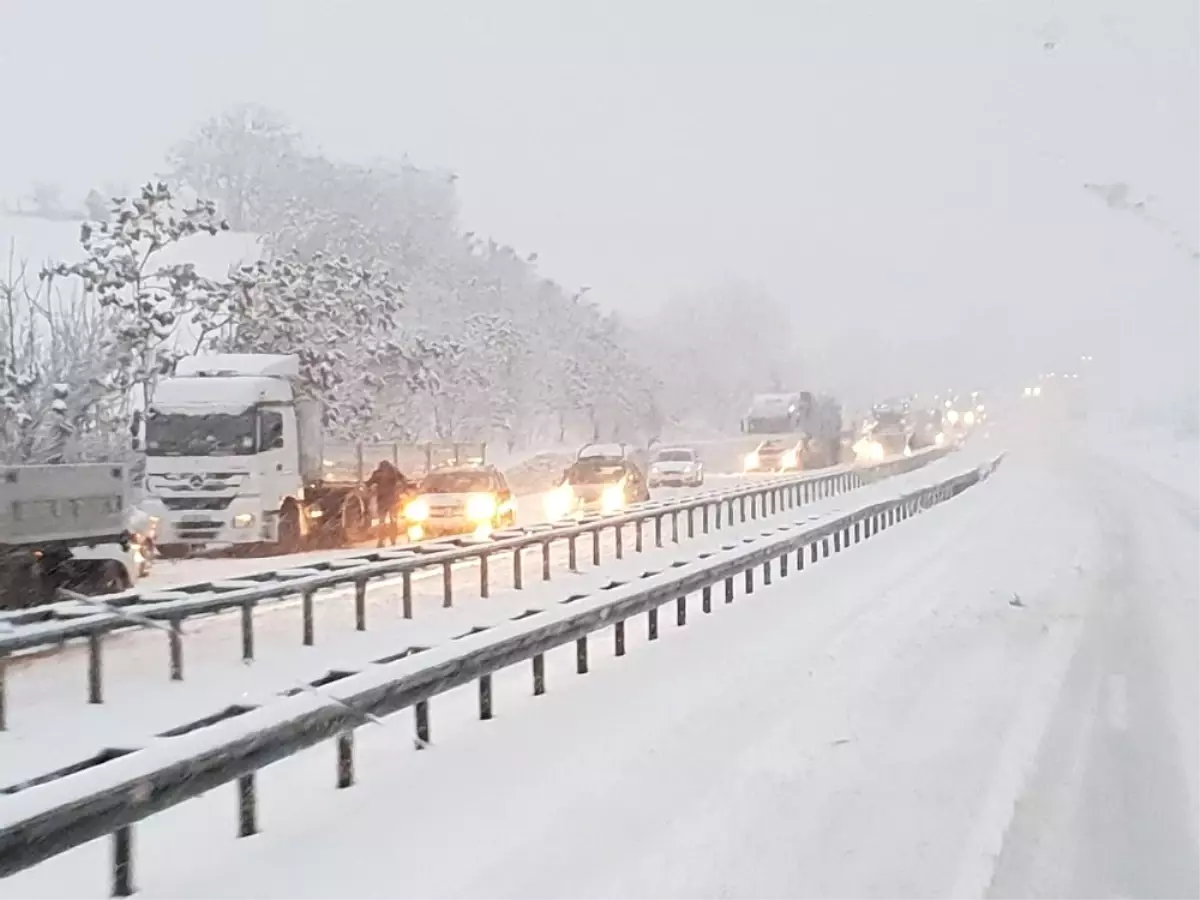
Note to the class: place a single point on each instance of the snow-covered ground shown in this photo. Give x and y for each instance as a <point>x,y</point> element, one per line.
<point>998,697</point>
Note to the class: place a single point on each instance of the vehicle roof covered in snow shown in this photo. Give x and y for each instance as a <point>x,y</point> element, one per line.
<point>264,365</point>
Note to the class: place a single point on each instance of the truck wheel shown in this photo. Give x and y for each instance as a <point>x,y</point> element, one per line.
<point>290,535</point>
<point>354,519</point>
<point>110,577</point>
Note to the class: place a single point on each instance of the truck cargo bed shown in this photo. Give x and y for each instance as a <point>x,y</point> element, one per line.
<point>78,503</point>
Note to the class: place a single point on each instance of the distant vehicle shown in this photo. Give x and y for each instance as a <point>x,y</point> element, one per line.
<point>676,466</point>
<point>460,500</point>
<point>774,455</point>
<point>818,417</point>
<point>605,480</point>
<point>65,526</point>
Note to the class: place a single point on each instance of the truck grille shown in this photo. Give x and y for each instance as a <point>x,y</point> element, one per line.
<point>205,503</point>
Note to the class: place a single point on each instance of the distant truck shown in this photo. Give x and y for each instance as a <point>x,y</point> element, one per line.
<point>234,455</point>
<point>818,417</point>
<point>65,526</point>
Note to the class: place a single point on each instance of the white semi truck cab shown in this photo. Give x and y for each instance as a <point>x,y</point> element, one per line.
<point>234,456</point>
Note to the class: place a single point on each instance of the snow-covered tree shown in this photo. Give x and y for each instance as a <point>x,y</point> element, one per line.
<point>242,160</point>
<point>156,311</point>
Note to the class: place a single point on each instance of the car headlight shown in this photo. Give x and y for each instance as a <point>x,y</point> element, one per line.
<point>952,417</point>
<point>790,459</point>
<point>559,502</point>
<point>752,460</point>
<point>243,520</point>
<point>417,510</point>
<point>613,497</point>
<point>481,507</point>
<point>969,418</point>
<point>940,439</point>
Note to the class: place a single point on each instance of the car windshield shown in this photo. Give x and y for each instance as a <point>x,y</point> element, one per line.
<point>213,434</point>
<point>595,473</point>
<point>457,483</point>
<point>675,456</point>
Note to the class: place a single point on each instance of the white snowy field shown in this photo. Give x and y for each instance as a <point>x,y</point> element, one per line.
<point>50,724</point>
<point>996,698</point>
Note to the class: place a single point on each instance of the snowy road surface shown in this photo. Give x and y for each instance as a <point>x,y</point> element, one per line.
<point>51,725</point>
<point>996,698</point>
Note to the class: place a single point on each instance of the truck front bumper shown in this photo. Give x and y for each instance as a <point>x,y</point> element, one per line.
<point>242,522</point>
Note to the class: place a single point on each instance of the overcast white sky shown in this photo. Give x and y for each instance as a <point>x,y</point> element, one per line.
<point>905,176</point>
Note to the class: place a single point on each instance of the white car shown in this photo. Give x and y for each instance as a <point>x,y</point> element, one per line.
<point>678,466</point>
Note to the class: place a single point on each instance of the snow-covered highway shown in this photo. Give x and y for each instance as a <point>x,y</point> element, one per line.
<point>996,698</point>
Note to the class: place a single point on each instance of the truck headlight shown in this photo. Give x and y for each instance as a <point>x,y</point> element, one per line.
<point>969,418</point>
<point>940,439</point>
<point>243,520</point>
<point>481,507</point>
<point>613,497</point>
<point>752,459</point>
<point>790,460</point>
<point>417,510</point>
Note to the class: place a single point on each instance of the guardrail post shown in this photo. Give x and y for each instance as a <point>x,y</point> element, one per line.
<point>717,507</point>
<point>837,541</point>
<point>539,675</point>
<point>122,872</point>
<point>681,610</point>
<point>518,572</point>
<point>857,531</point>
<point>546,560</point>
<point>3,691</point>
<point>691,521</point>
<point>421,715</point>
<point>406,599</point>
<point>825,547</point>
<point>95,686</point>
<point>619,638</point>
<point>581,658</point>
<point>741,508</point>
<point>306,603</point>
<point>595,546</point>
<point>783,565</point>
<point>345,759</point>
<point>247,805</point>
<point>483,575</point>
<point>176,638</point>
<point>652,623</point>
<point>447,585</point>
<point>674,526</point>
<point>637,535</point>
<point>619,540</point>
<point>766,573</point>
<point>704,517</point>
<point>706,598</point>
<point>813,556</point>
<point>247,617</point>
<point>658,530</point>
<point>729,589</point>
<point>571,561</point>
<point>360,605</point>
<point>485,697</point>
<point>749,581</point>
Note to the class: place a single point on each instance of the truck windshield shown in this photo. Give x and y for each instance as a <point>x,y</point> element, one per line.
<point>214,434</point>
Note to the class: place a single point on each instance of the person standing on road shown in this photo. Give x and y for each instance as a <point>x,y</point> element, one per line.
<point>387,482</point>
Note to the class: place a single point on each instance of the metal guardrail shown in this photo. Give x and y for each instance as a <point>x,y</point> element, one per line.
<point>107,794</point>
<point>50,627</point>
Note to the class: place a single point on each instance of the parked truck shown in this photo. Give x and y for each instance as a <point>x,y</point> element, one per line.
<point>817,418</point>
<point>234,455</point>
<point>65,526</point>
